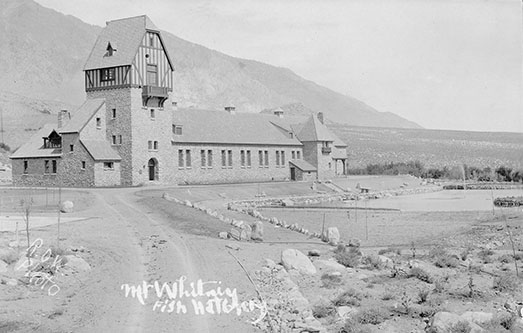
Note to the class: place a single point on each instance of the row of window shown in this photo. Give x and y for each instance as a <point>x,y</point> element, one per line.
<point>206,158</point>
<point>50,166</point>
<point>152,145</point>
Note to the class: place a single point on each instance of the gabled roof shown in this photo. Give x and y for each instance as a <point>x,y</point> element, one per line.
<point>82,115</point>
<point>314,130</point>
<point>205,126</point>
<point>34,147</point>
<point>100,150</point>
<point>125,36</point>
<point>303,165</point>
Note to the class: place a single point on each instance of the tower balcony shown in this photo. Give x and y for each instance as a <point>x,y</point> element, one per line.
<point>154,96</point>
<point>326,150</point>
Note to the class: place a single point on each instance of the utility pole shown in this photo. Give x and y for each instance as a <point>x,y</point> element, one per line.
<point>2,123</point>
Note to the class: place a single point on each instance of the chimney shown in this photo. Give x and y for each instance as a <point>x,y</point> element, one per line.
<point>278,113</point>
<point>320,117</point>
<point>230,109</point>
<point>63,118</point>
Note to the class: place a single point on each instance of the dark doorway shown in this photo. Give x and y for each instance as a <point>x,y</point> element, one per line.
<point>293,174</point>
<point>153,169</point>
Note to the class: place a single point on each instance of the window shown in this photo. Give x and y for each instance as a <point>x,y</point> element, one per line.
<point>152,75</point>
<point>98,122</point>
<point>224,159</point>
<point>71,148</point>
<point>266,153</point>
<point>113,139</point>
<point>108,74</point>
<point>202,158</point>
<point>83,165</point>
<point>151,40</point>
<point>155,145</point>
<point>181,163</point>
<point>260,157</point>
<point>119,139</point>
<point>248,158</point>
<point>177,129</point>
<point>188,158</point>
<point>293,154</point>
<point>113,113</point>
<point>109,165</point>
<point>209,158</point>
<point>242,158</point>
<point>282,155</point>
<point>54,166</point>
<point>152,114</point>
<point>277,158</point>
<point>229,153</point>
<point>298,154</point>
<point>46,166</point>
<point>25,166</point>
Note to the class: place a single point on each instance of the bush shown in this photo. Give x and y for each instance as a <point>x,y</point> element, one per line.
<point>440,284</point>
<point>388,295</point>
<point>506,258</point>
<point>323,310</point>
<point>396,251</point>
<point>420,274</point>
<point>348,258</point>
<point>349,297</point>
<point>330,281</point>
<point>465,253</point>
<point>5,147</point>
<point>503,321</point>
<point>373,262</point>
<point>460,327</point>
<point>437,251</point>
<point>352,326</point>
<point>486,256</point>
<point>446,261</point>
<point>374,316</point>
<point>423,295</point>
<point>506,283</point>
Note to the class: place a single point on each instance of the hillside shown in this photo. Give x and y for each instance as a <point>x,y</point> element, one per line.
<point>46,51</point>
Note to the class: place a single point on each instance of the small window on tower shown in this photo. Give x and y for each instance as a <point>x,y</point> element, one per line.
<point>83,165</point>
<point>153,115</point>
<point>108,74</point>
<point>71,148</point>
<point>98,122</point>
<point>113,113</point>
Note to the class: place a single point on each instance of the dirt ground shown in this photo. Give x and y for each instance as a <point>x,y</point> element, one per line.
<point>128,236</point>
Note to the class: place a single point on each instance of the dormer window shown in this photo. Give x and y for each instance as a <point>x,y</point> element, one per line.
<point>108,74</point>
<point>110,50</point>
<point>177,129</point>
<point>54,140</point>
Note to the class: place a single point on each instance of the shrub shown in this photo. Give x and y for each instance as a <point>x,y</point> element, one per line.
<point>348,297</point>
<point>374,316</point>
<point>486,256</point>
<point>465,253</point>
<point>388,295</point>
<point>446,261</point>
<point>506,283</point>
<point>330,281</point>
<point>462,326</point>
<point>440,284</point>
<point>437,251</point>
<point>394,250</point>
<point>352,326</point>
<point>506,258</point>
<point>323,310</point>
<point>420,274</point>
<point>423,295</point>
<point>503,321</point>
<point>348,258</point>
<point>373,262</point>
<point>9,257</point>
<point>5,147</point>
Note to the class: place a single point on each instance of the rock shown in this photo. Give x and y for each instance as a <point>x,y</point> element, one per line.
<point>333,236</point>
<point>479,318</point>
<point>257,231</point>
<point>235,234</point>
<point>329,265</point>
<point>67,207</point>
<point>268,263</point>
<point>344,311</point>
<point>294,259</point>
<point>247,232</point>
<point>232,246</point>
<point>314,253</point>
<point>287,202</point>
<point>223,235</point>
<point>354,242</point>
<point>3,266</point>
<point>443,321</point>
<point>76,263</point>
<point>386,261</point>
<point>299,303</point>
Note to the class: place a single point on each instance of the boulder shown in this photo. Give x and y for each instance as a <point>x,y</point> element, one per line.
<point>247,232</point>
<point>76,263</point>
<point>235,234</point>
<point>294,259</point>
<point>223,235</point>
<point>3,266</point>
<point>354,242</point>
<point>67,207</point>
<point>287,202</point>
<point>345,311</point>
<point>386,261</point>
<point>478,317</point>
<point>257,231</point>
<point>333,236</point>
<point>268,263</point>
<point>443,322</point>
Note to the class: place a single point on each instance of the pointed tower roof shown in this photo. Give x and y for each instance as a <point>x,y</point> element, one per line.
<point>124,36</point>
<point>314,130</point>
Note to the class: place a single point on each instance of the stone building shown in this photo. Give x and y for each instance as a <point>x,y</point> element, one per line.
<point>129,132</point>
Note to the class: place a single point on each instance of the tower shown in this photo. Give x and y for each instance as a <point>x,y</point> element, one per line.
<point>130,68</point>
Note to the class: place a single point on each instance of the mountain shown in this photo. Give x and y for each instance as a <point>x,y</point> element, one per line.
<point>44,53</point>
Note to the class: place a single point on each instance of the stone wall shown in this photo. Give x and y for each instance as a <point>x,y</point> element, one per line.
<point>197,174</point>
<point>35,175</point>
<point>70,170</point>
<point>107,177</point>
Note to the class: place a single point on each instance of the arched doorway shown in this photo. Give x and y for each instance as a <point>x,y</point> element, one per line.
<point>153,169</point>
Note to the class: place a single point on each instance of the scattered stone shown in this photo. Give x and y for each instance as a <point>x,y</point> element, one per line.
<point>67,207</point>
<point>294,259</point>
<point>257,231</point>
<point>223,235</point>
<point>333,236</point>
<point>76,263</point>
<point>233,246</point>
<point>314,253</point>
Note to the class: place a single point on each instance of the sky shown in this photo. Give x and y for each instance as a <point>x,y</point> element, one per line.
<point>444,64</point>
